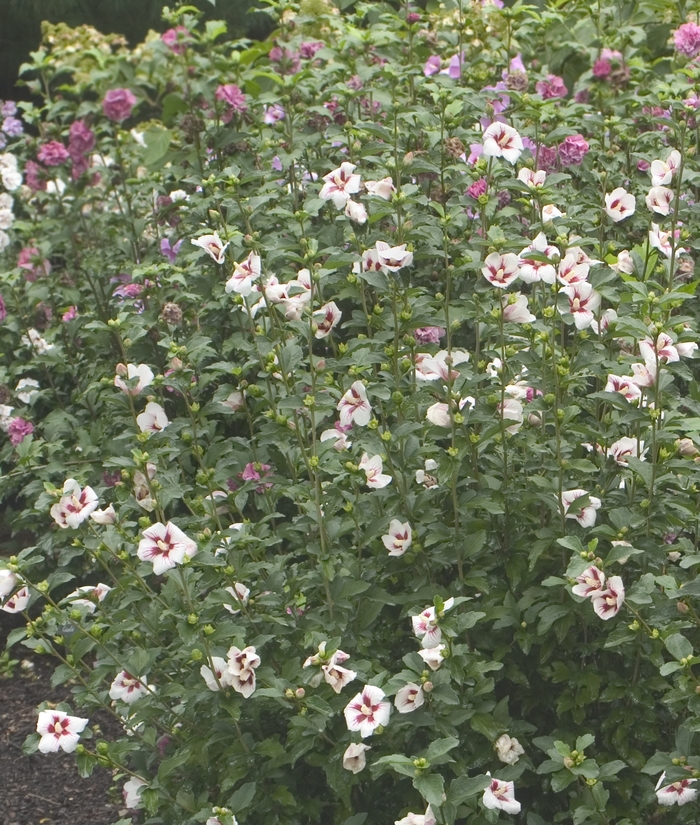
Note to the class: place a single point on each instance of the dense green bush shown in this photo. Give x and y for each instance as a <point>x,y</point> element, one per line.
<point>351,408</point>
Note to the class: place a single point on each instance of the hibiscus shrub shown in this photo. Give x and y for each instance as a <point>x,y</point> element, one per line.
<point>352,414</point>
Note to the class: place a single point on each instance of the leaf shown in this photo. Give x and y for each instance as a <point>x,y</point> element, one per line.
<point>678,646</point>
<point>158,143</point>
<point>358,819</point>
<point>658,762</point>
<point>431,788</point>
<point>440,747</point>
<point>584,741</point>
<point>464,787</point>
<point>242,797</point>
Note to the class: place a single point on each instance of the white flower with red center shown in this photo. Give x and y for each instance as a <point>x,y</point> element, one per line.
<point>625,447</point>
<point>677,793</point>
<point>88,596</point>
<point>132,792</point>
<point>335,675</point>
<point>212,245</point>
<point>661,240</point>
<point>601,327</point>
<point>222,677</point>
<point>240,594</point>
<point>583,303</point>
<point>370,262</point>
<point>625,263</point>
<point>425,476</point>
<point>244,275</point>
<point>662,349</point>
<point>299,295</point>
<point>399,537</point>
<point>659,199</point>
<point>106,516</point>
<point>59,731</point>
<point>393,258</point>
<point>166,546</point>
<point>662,171</point>
<point>366,711</point>
<point>354,408</point>
<point>535,180</point>
<point>142,373</point>
<point>127,688</point>
<point>434,367</point>
<point>532,271</point>
<point>625,385</point>
<point>340,184</point>
<point>8,580</point>
<point>428,818</point>
<point>75,505</point>
<point>326,318</point>
<point>587,515</point>
<point>571,271</point>
<point>373,467</point>
<point>580,254</point>
<point>409,698</point>
<point>550,212</point>
<point>590,582</point>
<point>644,374</point>
<point>619,204</point>
<point>502,141</point>
<point>433,656</point>
<point>508,749</point>
<point>512,410</point>
<point>383,188</point>
<point>500,795</point>
<point>354,758</point>
<point>515,309</point>
<point>356,212</point>
<point>426,627</point>
<point>439,415</point>
<point>18,602</point>
<point>607,603</point>
<point>241,668</point>
<point>153,419</point>
<point>501,270</point>
<point>339,436</point>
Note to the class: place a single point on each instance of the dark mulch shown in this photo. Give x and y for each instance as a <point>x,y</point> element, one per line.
<point>43,789</point>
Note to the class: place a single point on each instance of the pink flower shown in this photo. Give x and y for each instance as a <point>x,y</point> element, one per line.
<point>75,505</point>
<point>176,39</point>
<point>590,582</point>
<point>501,270</point>
<point>687,39</point>
<point>340,184</point>
<point>500,795</point>
<point>428,335</point>
<point>18,602</point>
<point>118,104</point>
<point>308,49</point>
<point>366,711</point>
<point>409,698</point>
<point>502,141</point>
<point>59,731</point>
<point>477,188</point>
<point>127,688</point>
<point>399,537</point>
<point>274,113</point>
<point>607,603</point>
<point>70,314</point>
<point>373,471</point>
<point>82,139</point>
<point>18,429</point>
<point>354,408</point>
<point>432,65</point>
<point>602,69</point>
<point>166,546</point>
<point>53,153</point>
<point>572,150</point>
<point>583,302</point>
<point>232,96</point>
<point>552,86</point>
<point>32,173</point>
<point>33,264</point>
<point>586,517</point>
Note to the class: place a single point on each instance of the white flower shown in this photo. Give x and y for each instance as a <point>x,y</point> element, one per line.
<point>341,439</point>
<point>501,270</point>
<point>59,731</point>
<point>354,758</point>
<point>662,172</point>
<point>590,582</point>
<point>138,138</point>
<point>677,793</point>
<point>424,476</point>
<point>502,141</point>
<point>587,516</point>
<point>178,195</point>
<point>356,212</point>
<point>661,349</point>
<point>241,668</point>
<point>335,675</point>
<point>34,340</point>
<point>517,312</point>
<point>606,318</point>
<point>439,415</point>
<point>366,711</point>
<point>550,212</point>
<point>75,505</point>
<point>4,243</point>
<point>222,674</point>
<point>399,537</point>
<point>607,603</point>
<point>512,410</point>
<point>624,447</point>
<point>354,408</point>
<point>11,179</point>
<point>659,199</point>
<point>383,188</point>
<point>433,656</point>
<point>572,271</point>
<point>619,204</point>
<point>128,688</point>
<point>55,187</point>
<point>583,302</point>
<point>409,698</point>
<point>326,318</point>
<point>6,218</point>
<point>88,596</point>
<point>235,401</point>
<point>18,602</point>
<point>166,546</point>
<point>132,792</point>
<point>535,180</point>
<point>340,184</point>
<point>625,263</point>
<point>532,271</point>
<point>240,594</point>
<point>142,372</point>
<point>508,749</point>
<point>428,818</point>
<point>661,240</point>
<point>26,389</point>
<point>500,795</point>
<point>373,471</point>
<point>106,516</point>
<point>434,367</point>
<point>212,245</point>
<point>8,580</point>
<point>244,274</point>
<point>393,258</point>
<point>153,419</point>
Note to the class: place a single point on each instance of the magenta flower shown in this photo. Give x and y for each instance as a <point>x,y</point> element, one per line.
<point>31,173</point>
<point>3,310</point>
<point>170,252</point>
<point>572,150</point>
<point>32,263</point>
<point>428,335</point>
<point>309,49</point>
<point>53,153</point>
<point>82,138</point>
<point>432,65</point>
<point>18,429</point>
<point>256,472</point>
<point>274,113</point>
<point>176,39</point>
<point>118,104</point>
<point>232,96</point>
<point>70,314</point>
<point>552,86</point>
<point>477,188</point>
<point>687,39</point>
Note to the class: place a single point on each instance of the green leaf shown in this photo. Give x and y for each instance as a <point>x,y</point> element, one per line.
<point>431,788</point>
<point>678,646</point>
<point>464,787</point>
<point>242,797</point>
<point>158,143</point>
<point>440,747</point>
<point>584,741</point>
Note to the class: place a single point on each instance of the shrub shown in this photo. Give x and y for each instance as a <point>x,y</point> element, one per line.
<point>352,416</point>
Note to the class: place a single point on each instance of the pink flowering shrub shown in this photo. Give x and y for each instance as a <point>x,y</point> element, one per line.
<point>349,415</point>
